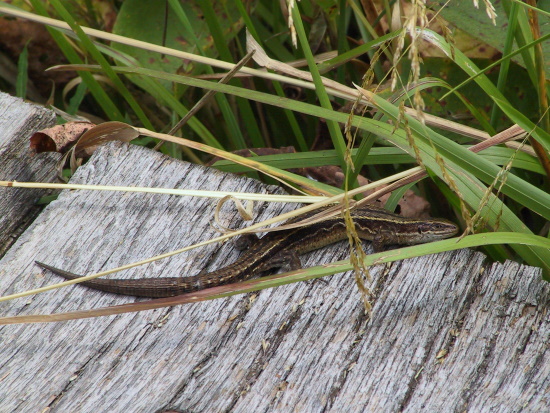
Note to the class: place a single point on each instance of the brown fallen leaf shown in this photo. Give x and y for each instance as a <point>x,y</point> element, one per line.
<point>101,134</point>
<point>59,138</point>
<point>79,140</point>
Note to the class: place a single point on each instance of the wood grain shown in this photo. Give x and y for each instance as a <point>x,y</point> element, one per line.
<point>449,332</point>
<point>18,121</point>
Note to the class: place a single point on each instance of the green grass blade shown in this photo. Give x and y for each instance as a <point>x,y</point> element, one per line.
<point>519,190</point>
<point>304,274</point>
<point>466,168</point>
<point>508,44</point>
<point>490,89</point>
<point>90,48</point>
<point>471,241</point>
<point>101,97</point>
<point>523,37</point>
<point>244,106</point>
<point>333,127</point>
<point>378,156</point>
<point>22,73</point>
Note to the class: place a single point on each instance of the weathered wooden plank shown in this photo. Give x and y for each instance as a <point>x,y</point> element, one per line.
<point>18,120</point>
<point>303,347</point>
<point>501,354</point>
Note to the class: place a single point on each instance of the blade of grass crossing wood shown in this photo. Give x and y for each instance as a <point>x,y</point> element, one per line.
<point>496,252</point>
<point>287,278</point>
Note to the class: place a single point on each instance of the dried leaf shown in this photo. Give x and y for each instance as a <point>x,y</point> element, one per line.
<point>59,138</point>
<point>103,133</point>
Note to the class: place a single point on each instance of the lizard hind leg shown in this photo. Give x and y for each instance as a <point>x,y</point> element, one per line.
<point>284,259</point>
